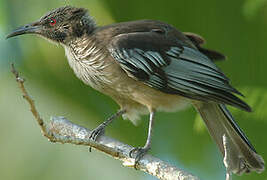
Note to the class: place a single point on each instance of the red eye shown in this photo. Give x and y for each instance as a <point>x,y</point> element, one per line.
<point>52,21</point>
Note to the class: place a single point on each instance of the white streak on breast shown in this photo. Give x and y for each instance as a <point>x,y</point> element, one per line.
<point>88,63</point>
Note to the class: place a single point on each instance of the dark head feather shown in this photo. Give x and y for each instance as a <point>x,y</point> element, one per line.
<point>60,25</point>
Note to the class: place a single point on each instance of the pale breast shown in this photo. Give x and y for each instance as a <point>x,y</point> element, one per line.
<point>88,63</point>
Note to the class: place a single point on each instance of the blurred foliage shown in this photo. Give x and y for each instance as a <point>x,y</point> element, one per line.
<point>25,154</point>
<point>252,7</point>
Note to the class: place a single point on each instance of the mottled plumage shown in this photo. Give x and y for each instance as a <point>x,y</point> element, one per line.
<point>148,66</point>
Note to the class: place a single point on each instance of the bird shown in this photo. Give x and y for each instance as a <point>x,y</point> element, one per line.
<point>147,66</point>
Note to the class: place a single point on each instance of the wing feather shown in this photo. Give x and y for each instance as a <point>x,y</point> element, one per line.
<point>173,68</point>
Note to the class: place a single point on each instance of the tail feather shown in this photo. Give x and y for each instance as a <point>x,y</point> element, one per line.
<point>242,156</point>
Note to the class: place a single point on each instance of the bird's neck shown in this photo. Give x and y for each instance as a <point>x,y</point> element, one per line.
<point>84,48</point>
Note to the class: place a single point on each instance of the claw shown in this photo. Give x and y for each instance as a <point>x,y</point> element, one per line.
<point>101,128</point>
<point>140,152</point>
<point>95,134</point>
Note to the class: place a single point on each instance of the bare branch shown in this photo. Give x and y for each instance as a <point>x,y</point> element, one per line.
<point>25,94</point>
<point>63,131</point>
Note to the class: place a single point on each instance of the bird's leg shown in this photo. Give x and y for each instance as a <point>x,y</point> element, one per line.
<point>99,130</point>
<point>141,151</point>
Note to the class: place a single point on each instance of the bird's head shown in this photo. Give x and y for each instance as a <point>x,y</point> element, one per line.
<point>59,25</point>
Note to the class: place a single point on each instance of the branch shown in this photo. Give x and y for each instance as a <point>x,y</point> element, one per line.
<point>63,131</point>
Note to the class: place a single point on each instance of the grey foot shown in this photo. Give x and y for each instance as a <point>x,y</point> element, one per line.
<point>138,153</point>
<point>96,133</point>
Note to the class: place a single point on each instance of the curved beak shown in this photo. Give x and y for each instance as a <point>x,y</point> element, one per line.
<point>33,28</point>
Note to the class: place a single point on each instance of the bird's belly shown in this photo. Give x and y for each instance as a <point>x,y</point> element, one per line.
<point>138,99</point>
<point>154,99</point>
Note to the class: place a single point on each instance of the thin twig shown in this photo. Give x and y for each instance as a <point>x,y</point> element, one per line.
<point>26,96</point>
<point>63,131</point>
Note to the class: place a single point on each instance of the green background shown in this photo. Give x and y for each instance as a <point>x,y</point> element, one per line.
<point>237,28</point>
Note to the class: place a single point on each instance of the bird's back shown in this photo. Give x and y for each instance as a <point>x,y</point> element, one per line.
<point>106,33</point>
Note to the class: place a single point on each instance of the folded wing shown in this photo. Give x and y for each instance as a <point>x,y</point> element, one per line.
<point>166,64</point>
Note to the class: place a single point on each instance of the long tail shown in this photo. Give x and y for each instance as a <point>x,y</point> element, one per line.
<point>241,155</point>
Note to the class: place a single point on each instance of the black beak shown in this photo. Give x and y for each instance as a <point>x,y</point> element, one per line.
<point>33,28</point>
